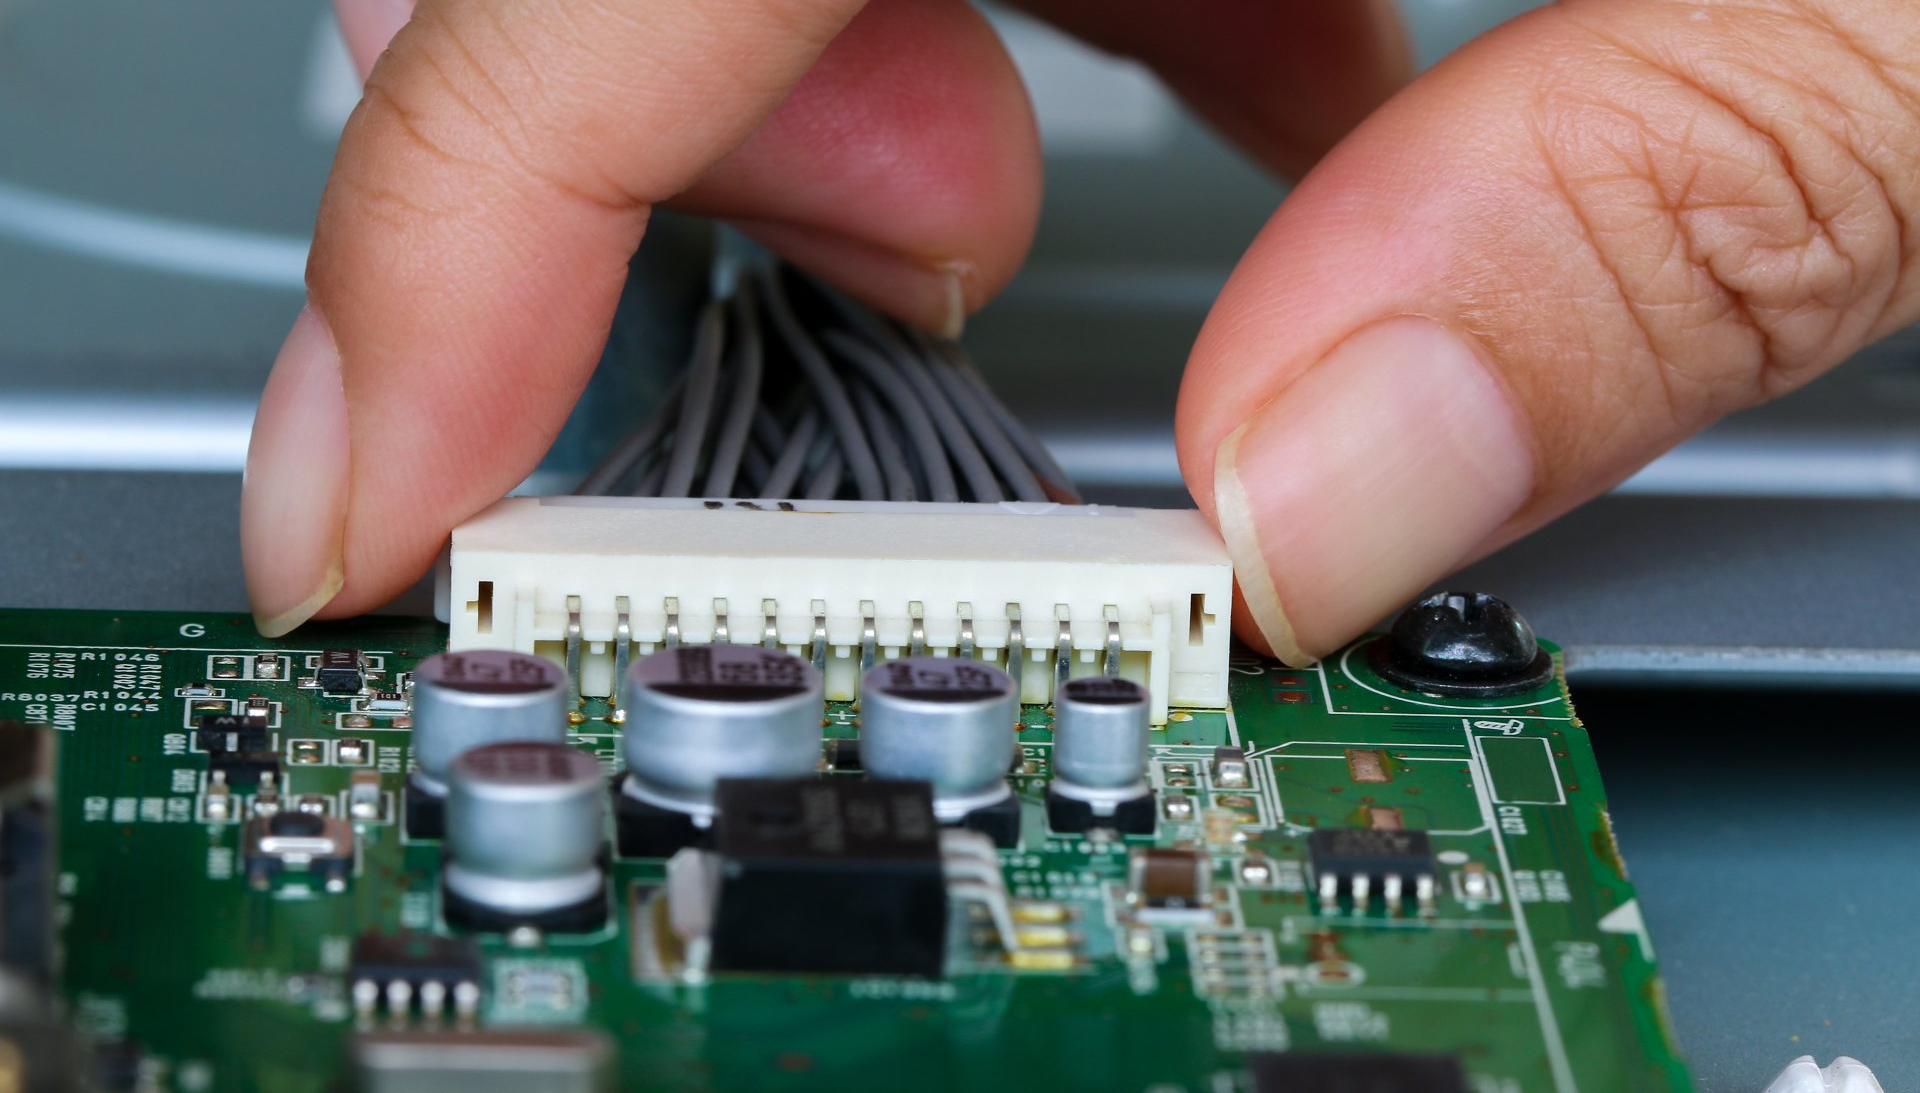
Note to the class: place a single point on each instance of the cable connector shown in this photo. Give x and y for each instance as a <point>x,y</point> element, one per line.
<point>1047,592</point>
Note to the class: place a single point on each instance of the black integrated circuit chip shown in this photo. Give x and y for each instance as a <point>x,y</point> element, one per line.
<point>414,959</point>
<point>1370,852</point>
<point>1366,863</point>
<point>829,875</point>
<point>1340,1072</point>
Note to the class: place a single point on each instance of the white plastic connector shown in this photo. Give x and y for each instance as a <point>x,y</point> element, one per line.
<point>592,581</point>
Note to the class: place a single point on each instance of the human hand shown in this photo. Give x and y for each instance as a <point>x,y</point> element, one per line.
<point>1567,247</point>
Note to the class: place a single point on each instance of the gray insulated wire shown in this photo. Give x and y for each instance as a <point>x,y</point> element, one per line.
<point>886,444</point>
<point>650,479</point>
<point>793,456</point>
<point>825,483</point>
<point>1019,477</point>
<point>1034,452</point>
<point>754,468</point>
<point>703,382</point>
<point>827,388</point>
<point>872,394</point>
<point>1056,481</point>
<point>905,349</point>
<point>885,377</point>
<point>953,431</point>
<point>635,447</point>
<point>744,356</point>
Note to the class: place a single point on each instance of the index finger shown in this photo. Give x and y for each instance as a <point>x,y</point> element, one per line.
<point>490,190</point>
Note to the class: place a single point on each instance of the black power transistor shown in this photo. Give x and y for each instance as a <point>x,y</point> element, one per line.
<point>1342,1072</point>
<point>829,875</point>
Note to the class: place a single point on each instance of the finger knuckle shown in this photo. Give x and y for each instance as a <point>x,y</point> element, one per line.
<point>1753,218</point>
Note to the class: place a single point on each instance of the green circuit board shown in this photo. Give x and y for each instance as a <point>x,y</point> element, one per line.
<point>1532,967</point>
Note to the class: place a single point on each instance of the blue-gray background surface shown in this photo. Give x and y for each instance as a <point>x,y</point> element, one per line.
<point>159,168</point>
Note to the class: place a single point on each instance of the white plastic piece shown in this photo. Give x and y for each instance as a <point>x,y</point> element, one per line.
<point>947,579</point>
<point>1845,1075</point>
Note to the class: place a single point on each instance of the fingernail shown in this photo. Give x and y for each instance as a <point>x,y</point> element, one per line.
<point>1373,474</point>
<point>293,500</point>
<point>369,27</point>
<point>954,302</point>
<point>931,295</point>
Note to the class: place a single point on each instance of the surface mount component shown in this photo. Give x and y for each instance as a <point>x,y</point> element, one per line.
<point>525,838</point>
<point>843,754</point>
<point>484,1061</point>
<point>1230,769</point>
<point>1100,748</point>
<point>366,800</point>
<point>847,583</point>
<point>697,714</point>
<point>399,971</point>
<point>469,699</point>
<point>828,931</point>
<point>1355,1072</point>
<point>949,722</point>
<point>1364,863</point>
<point>837,875</point>
<point>219,733</point>
<point>700,713</point>
<point>341,672</point>
<point>298,842</point>
<point>245,768</point>
<point>1169,885</point>
<point>1465,644</point>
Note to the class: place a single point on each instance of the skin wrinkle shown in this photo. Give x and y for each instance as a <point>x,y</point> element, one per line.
<point>1862,49</point>
<point>1799,286</point>
<point>393,207</point>
<point>379,97</point>
<point>1604,261</point>
<point>528,154</point>
<point>1779,361</point>
<point>569,164</point>
<point>1785,371</point>
<point>1735,301</point>
<point>1863,146</point>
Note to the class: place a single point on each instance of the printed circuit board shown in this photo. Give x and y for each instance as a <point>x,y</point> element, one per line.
<point>1344,881</point>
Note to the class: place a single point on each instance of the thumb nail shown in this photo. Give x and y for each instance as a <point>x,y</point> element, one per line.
<point>1377,471</point>
<point>293,500</point>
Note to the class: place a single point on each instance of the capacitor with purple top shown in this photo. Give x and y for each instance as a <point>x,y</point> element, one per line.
<point>472,698</point>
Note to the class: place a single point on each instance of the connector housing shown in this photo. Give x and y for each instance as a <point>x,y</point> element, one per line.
<point>1045,591</point>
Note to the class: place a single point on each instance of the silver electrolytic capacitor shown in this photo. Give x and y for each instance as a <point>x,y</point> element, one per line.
<point>526,824</point>
<point>1100,734</point>
<point>474,697</point>
<point>944,720</point>
<point>700,713</point>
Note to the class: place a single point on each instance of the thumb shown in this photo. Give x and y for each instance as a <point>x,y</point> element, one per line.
<point>1573,244</point>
